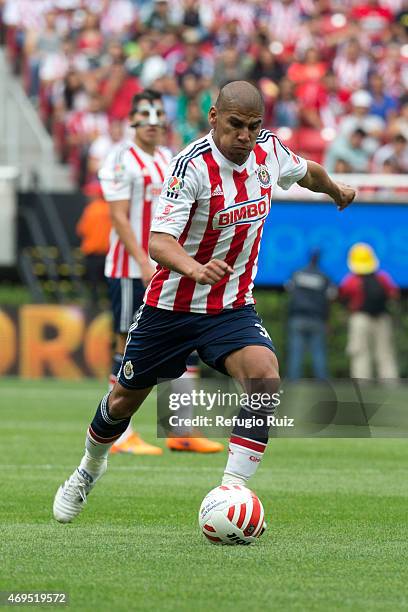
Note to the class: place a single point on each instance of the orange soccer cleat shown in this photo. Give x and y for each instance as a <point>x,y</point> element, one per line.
<point>194,445</point>
<point>135,446</point>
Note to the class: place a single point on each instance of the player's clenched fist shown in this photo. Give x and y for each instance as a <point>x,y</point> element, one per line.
<point>212,272</point>
<point>345,197</point>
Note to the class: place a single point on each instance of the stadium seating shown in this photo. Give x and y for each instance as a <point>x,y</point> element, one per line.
<point>69,52</point>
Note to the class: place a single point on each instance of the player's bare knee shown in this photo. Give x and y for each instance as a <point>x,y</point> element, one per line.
<point>124,402</point>
<point>262,377</point>
<point>265,370</point>
<point>254,364</point>
<point>263,380</point>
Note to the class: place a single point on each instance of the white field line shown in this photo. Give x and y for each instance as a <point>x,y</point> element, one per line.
<point>40,392</point>
<point>198,468</point>
<point>53,389</point>
<point>124,468</point>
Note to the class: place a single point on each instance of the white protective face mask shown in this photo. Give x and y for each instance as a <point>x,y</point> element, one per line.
<point>153,119</point>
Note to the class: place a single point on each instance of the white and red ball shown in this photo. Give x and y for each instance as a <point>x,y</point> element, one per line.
<point>231,514</point>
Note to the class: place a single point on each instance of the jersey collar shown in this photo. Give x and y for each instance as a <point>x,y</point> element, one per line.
<point>221,159</point>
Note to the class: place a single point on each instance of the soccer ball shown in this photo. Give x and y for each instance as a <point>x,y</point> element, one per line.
<point>231,514</point>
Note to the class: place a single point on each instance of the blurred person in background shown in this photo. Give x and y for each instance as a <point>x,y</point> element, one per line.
<point>101,147</point>
<point>383,104</point>
<point>231,66</point>
<point>241,12</point>
<point>83,128</point>
<point>308,75</point>
<point>38,46</point>
<point>310,292</point>
<point>393,67</point>
<point>283,19</point>
<point>286,108</point>
<point>266,66</point>
<point>367,292</point>
<point>309,69</point>
<point>114,54</point>
<point>119,18</point>
<point>373,18</point>
<point>394,153</point>
<point>399,124</point>
<point>139,51</point>
<point>158,16</point>
<point>332,105</point>
<point>93,228</point>
<point>117,89</point>
<point>360,117</point>
<point>191,89</point>
<point>342,167</point>
<point>90,40</point>
<point>68,96</point>
<point>193,126</point>
<point>229,34</point>
<point>351,149</point>
<point>195,14</point>
<point>266,73</point>
<point>192,59</point>
<point>351,66</point>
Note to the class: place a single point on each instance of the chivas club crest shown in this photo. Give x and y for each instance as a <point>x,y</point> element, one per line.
<point>263,175</point>
<point>128,370</point>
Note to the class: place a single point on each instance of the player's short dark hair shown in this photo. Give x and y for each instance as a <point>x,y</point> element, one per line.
<point>147,94</point>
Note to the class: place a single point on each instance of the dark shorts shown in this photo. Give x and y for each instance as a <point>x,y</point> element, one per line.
<point>126,296</point>
<point>160,341</point>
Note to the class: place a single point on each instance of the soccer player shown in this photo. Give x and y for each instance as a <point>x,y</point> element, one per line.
<point>205,237</point>
<point>131,178</point>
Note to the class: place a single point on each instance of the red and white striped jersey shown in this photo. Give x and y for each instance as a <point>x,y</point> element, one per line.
<point>217,209</point>
<point>129,173</point>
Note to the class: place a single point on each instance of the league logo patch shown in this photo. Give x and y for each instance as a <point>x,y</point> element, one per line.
<point>118,173</point>
<point>263,175</point>
<point>175,184</point>
<point>128,370</point>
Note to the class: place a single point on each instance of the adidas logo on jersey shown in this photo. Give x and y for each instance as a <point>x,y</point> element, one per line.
<point>242,212</point>
<point>217,191</point>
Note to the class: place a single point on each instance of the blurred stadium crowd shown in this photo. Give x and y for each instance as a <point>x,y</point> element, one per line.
<point>334,73</point>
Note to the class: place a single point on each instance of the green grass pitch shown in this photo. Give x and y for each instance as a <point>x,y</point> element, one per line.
<point>337,514</point>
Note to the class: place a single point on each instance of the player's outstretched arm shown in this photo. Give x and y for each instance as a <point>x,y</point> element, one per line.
<point>317,179</point>
<point>165,249</point>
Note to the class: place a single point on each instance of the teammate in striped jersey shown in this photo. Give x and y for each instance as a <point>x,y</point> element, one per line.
<point>131,178</point>
<point>205,237</point>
